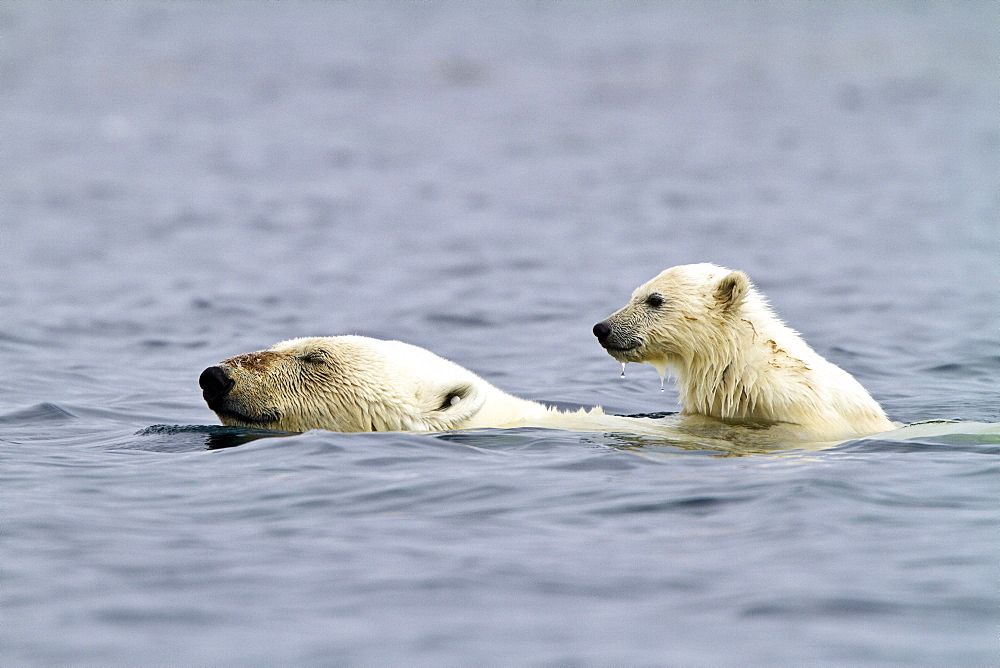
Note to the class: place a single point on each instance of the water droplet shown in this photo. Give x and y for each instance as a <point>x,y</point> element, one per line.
<point>623,368</point>
<point>661,369</point>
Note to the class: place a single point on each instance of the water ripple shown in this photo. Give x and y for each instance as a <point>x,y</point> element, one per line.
<point>39,414</point>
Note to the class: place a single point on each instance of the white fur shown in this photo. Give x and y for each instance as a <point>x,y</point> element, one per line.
<point>356,383</point>
<point>735,360</point>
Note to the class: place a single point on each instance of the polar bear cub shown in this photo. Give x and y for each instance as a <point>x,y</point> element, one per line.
<point>734,360</point>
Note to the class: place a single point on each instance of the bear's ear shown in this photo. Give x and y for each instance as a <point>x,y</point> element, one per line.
<point>731,290</point>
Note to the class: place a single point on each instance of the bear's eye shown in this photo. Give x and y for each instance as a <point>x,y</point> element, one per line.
<point>655,300</point>
<point>313,357</point>
<point>453,398</point>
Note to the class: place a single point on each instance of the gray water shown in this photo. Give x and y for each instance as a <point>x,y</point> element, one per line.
<point>180,183</point>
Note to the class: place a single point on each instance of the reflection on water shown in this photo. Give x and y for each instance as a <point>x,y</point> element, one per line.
<point>212,437</point>
<point>977,437</point>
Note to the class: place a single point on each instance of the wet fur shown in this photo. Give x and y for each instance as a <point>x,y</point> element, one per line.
<point>357,384</point>
<point>735,361</point>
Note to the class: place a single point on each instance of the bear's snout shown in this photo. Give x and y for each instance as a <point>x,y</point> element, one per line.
<point>602,331</point>
<point>621,343</point>
<point>215,384</point>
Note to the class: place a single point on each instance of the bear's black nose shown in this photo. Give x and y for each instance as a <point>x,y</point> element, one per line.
<point>215,383</point>
<point>602,331</point>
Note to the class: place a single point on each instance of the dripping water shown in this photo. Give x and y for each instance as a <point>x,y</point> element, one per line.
<point>661,369</point>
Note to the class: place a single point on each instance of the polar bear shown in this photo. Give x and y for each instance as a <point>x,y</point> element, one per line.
<point>734,360</point>
<point>354,384</point>
<point>357,384</point>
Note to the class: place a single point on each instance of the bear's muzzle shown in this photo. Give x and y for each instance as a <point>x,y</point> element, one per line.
<point>215,384</point>
<point>615,341</point>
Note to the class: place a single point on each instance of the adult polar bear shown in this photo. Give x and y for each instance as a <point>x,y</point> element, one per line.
<point>356,383</point>
<point>735,361</point>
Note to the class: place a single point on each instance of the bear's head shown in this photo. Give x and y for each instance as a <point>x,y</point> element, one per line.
<point>683,313</point>
<point>346,384</point>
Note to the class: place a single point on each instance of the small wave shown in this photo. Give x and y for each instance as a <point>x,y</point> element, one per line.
<point>918,447</point>
<point>44,412</point>
<point>941,435</point>
<point>971,607</point>
<point>7,337</point>
<point>210,436</point>
<point>693,505</point>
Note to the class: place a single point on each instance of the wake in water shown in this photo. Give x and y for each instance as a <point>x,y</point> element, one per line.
<point>975,436</point>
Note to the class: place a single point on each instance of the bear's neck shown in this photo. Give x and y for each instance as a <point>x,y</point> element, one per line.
<point>759,370</point>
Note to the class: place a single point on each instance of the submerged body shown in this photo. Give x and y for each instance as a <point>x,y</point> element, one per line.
<point>735,361</point>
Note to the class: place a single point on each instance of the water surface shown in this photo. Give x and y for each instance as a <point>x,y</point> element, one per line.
<point>181,183</point>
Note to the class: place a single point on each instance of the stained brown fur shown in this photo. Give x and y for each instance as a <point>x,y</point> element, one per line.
<point>256,362</point>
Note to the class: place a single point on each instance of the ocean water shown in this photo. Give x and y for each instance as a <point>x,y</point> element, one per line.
<point>180,183</point>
